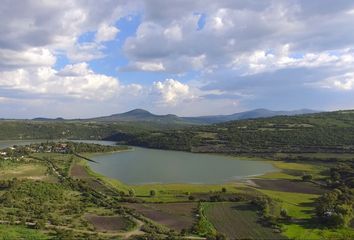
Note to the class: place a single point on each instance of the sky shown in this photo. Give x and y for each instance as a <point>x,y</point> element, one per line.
<point>73,58</point>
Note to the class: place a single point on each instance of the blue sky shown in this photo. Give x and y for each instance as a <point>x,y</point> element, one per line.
<point>77,59</point>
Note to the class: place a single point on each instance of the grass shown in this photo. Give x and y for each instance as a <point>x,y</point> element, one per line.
<point>299,232</point>
<point>62,161</point>
<point>177,192</point>
<point>205,227</point>
<point>298,205</point>
<point>338,156</point>
<point>237,221</point>
<point>9,232</point>
<point>33,171</point>
<point>293,171</point>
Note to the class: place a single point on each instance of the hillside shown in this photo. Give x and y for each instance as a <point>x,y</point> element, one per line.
<point>256,113</point>
<point>322,132</point>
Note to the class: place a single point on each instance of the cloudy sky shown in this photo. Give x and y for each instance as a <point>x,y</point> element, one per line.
<point>88,58</point>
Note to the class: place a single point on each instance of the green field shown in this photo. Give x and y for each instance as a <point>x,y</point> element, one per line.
<point>30,171</point>
<point>238,221</point>
<point>8,232</point>
<point>301,208</point>
<point>292,170</point>
<point>298,205</point>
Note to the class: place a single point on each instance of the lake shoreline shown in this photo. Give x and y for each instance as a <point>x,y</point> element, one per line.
<point>236,179</point>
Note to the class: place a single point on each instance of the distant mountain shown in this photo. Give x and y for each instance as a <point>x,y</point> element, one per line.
<point>140,115</point>
<point>48,119</point>
<point>257,113</point>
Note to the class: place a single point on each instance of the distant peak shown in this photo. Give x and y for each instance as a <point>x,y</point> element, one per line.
<point>138,110</point>
<point>260,109</point>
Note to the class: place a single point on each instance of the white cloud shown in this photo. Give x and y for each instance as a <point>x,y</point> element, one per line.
<point>57,26</point>
<point>172,91</point>
<point>26,58</point>
<point>73,81</point>
<point>133,89</point>
<point>150,66</point>
<point>343,82</point>
<point>250,36</point>
<point>106,33</point>
<point>84,52</point>
<point>173,33</point>
<point>249,47</point>
<point>283,58</point>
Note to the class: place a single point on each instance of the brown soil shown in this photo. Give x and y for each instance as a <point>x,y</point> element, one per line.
<point>176,216</point>
<point>79,171</point>
<point>108,223</point>
<point>284,185</point>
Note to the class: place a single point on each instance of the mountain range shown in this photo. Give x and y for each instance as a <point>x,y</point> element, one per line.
<point>141,115</point>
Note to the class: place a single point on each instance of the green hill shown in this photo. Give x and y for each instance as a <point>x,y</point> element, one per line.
<point>321,132</point>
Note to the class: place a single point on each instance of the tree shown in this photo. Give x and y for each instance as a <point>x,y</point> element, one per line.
<point>223,190</point>
<point>131,192</point>
<point>152,193</point>
<point>307,177</point>
<point>284,214</point>
<point>40,224</point>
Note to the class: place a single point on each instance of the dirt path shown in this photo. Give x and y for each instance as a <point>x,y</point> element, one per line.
<point>136,231</point>
<point>125,235</point>
<point>194,237</point>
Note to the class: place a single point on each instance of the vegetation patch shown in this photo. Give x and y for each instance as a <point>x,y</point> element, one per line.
<point>8,232</point>
<point>25,171</point>
<point>178,192</point>
<point>298,205</point>
<point>238,221</point>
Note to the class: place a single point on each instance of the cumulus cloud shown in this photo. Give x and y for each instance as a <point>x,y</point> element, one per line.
<point>57,26</point>
<point>280,58</point>
<point>248,38</point>
<point>144,66</point>
<point>228,52</point>
<point>106,33</point>
<point>341,82</point>
<point>31,57</point>
<point>73,81</point>
<point>233,29</point>
<point>84,52</point>
<point>171,91</point>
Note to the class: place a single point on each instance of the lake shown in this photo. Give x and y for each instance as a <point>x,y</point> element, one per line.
<point>147,166</point>
<point>144,166</point>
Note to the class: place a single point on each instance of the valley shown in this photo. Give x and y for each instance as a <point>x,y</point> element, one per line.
<point>95,189</point>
